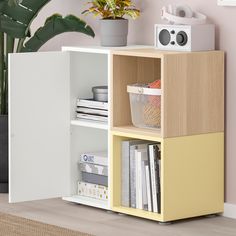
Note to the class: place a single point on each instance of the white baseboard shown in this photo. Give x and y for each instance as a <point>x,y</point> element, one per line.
<point>230,210</point>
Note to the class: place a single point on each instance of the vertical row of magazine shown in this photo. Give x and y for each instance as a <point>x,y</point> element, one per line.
<point>94,176</point>
<point>141,169</point>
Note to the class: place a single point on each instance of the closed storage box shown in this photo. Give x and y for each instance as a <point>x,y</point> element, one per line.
<point>95,179</point>
<point>93,191</point>
<point>145,104</point>
<point>94,169</point>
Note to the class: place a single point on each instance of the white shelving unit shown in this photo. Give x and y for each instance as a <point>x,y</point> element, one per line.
<point>46,139</point>
<point>90,124</point>
<point>88,201</point>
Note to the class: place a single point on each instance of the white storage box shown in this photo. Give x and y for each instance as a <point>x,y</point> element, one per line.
<point>145,106</point>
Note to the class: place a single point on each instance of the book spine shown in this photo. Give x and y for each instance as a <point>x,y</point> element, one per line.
<point>132,177</point>
<point>149,198</point>
<point>157,185</point>
<point>92,111</point>
<point>144,186</point>
<point>153,177</point>
<point>92,117</point>
<point>92,104</point>
<point>139,194</point>
<point>158,177</point>
<point>93,159</point>
<point>92,190</point>
<point>125,199</point>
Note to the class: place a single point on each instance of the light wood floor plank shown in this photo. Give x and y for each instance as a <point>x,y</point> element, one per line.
<point>101,223</point>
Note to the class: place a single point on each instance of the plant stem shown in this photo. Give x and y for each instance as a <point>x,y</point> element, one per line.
<point>20,44</point>
<point>1,73</point>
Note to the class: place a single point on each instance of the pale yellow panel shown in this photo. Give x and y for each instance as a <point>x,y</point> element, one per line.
<point>193,176</point>
<point>139,213</point>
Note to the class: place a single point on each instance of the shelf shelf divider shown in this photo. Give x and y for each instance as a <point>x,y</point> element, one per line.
<point>90,124</point>
<point>88,201</point>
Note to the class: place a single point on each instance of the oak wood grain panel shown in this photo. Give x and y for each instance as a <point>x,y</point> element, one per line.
<point>129,70</point>
<point>193,93</point>
<point>145,52</point>
<point>124,73</point>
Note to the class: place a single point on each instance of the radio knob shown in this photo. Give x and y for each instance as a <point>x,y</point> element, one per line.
<point>182,38</point>
<point>172,42</point>
<point>172,32</point>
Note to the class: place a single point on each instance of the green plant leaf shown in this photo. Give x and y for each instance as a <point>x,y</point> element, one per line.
<point>112,9</point>
<point>17,15</point>
<point>55,25</point>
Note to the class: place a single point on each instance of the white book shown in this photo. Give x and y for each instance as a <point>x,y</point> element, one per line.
<point>92,117</point>
<point>148,185</point>
<point>139,197</point>
<point>92,104</point>
<point>92,111</point>
<point>142,145</point>
<point>99,158</point>
<point>141,156</point>
<point>152,163</point>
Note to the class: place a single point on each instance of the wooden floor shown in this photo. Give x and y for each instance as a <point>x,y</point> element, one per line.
<point>102,223</point>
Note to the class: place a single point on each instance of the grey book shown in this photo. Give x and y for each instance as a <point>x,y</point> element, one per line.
<point>92,111</point>
<point>94,169</point>
<point>155,179</point>
<point>133,176</point>
<point>95,179</point>
<point>125,173</point>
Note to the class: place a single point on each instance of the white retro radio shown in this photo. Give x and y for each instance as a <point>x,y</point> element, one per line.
<point>187,30</point>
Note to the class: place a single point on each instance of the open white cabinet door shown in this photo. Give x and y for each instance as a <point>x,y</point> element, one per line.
<point>39,126</point>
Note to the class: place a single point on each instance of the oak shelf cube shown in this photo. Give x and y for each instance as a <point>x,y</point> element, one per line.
<point>191,134</point>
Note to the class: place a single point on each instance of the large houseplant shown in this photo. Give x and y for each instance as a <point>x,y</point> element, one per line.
<point>114,27</point>
<point>16,17</point>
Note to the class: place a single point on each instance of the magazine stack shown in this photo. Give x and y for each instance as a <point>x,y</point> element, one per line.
<point>89,109</point>
<point>94,175</point>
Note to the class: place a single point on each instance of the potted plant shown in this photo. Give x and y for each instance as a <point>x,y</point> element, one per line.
<point>16,17</point>
<point>114,27</point>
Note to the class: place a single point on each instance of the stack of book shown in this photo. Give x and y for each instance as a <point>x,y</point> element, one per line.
<point>141,175</point>
<point>94,175</point>
<point>89,109</point>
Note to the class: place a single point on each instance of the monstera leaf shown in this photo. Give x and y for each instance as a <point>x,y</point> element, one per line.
<point>16,16</point>
<point>55,25</point>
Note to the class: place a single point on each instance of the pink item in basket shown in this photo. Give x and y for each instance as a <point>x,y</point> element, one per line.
<point>155,100</point>
<point>152,110</point>
<point>155,84</point>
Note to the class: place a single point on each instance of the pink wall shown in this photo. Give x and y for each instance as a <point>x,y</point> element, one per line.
<point>141,32</point>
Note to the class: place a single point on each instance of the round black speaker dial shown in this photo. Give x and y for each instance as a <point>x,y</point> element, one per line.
<point>164,37</point>
<point>182,38</point>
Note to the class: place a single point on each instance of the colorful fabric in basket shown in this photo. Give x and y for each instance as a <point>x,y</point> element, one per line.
<point>152,110</point>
